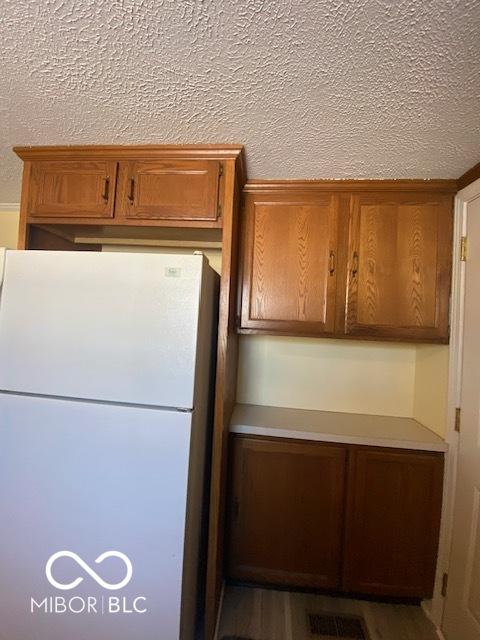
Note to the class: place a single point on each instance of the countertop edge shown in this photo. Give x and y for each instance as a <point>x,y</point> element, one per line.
<point>243,429</point>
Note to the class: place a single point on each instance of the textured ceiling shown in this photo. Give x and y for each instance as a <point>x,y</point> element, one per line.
<point>313,88</point>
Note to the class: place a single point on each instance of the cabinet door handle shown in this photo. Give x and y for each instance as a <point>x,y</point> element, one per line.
<point>106,189</point>
<point>331,266</point>
<point>355,264</point>
<point>131,195</point>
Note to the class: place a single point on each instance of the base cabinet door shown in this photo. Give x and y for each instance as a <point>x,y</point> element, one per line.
<point>286,516</point>
<point>392,524</point>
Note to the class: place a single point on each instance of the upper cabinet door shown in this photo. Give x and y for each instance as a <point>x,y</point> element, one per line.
<point>399,266</point>
<point>72,189</point>
<point>169,190</point>
<point>289,263</point>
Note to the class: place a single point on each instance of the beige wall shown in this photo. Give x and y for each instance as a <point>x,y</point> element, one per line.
<point>351,376</point>
<point>431,387</point>
<point>8,228</point>
<point>330,375</point>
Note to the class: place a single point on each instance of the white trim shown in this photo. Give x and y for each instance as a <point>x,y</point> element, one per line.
<point>13,207</point>
<point>454,393</point>
<point>469,193</point>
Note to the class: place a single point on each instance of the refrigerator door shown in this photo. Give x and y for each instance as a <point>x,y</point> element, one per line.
<point>90,493</point>
<point>106,326</point>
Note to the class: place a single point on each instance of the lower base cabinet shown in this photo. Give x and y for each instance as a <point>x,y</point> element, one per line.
<point>392,522</point>
<point>286,518</point>
<point>362,520</point>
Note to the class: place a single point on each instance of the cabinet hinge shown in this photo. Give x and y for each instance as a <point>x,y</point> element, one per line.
<point>463,248</point>
<point>219,211</point>
<point>458,413</point>
<point>220,170</point>
<point>444,584</point>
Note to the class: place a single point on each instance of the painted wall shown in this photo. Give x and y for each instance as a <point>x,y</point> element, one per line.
<point>350,376</point>
<point>8,228</point>
<point>331,375</point>
<point>431,387</point>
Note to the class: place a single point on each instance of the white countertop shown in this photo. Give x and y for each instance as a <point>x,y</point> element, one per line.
<point>329,426</point>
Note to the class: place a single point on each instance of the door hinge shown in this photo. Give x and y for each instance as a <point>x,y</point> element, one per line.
<point>444,584</point>
<point>458,413</point>
<point>220,170</point>
<point>463,248</point>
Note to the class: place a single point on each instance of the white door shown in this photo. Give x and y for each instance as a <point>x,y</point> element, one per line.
<point>78,481</point>
<point>462,608</point>
<point>118,327</point>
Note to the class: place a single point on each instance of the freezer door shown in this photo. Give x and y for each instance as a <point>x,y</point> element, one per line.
<point>92,512</point>
<point>105,326</point>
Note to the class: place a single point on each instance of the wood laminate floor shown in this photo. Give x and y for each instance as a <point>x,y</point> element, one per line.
<point>264,614</point>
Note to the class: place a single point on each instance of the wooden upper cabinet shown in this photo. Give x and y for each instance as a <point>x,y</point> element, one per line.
<point>399,266</point>
<point>363,259</point>
<point>72,189</point>
<point>184,186</point>
<point>289,263</point>
<point>169,189</point>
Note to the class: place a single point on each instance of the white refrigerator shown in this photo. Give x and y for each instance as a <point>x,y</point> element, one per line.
<point>106,367</point>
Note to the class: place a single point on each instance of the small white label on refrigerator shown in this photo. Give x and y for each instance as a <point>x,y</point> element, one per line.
<point>173,272</point>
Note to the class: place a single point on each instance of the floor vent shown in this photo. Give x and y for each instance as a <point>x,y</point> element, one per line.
<point>331,627</point>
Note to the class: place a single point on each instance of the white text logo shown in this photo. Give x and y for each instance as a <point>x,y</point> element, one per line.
<point>93,574</point>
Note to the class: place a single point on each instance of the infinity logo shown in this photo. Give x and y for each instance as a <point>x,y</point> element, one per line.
<point>87,569</point>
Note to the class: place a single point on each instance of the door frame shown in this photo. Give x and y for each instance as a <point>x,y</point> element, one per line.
<point>435,608</point>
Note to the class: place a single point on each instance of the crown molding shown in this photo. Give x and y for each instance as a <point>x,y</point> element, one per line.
<point>199,151</point>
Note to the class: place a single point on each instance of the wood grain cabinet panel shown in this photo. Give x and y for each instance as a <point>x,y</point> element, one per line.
<point>72,189</point>
<point>289,268</point>
<point>286,515</point>
<point>393,520</point>
<point>399,266</point>
<point>361,520</point>
<point>169,190</point>
<point>366,264</point>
